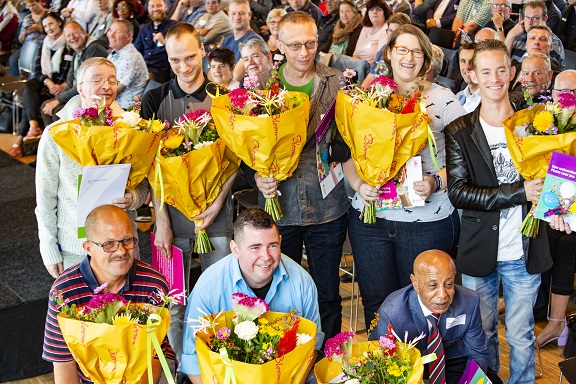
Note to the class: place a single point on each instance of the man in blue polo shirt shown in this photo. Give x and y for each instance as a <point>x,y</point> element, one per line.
<point>256,267</point>
<point>240,16</point>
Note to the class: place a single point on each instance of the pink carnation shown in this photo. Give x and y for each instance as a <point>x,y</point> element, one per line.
<point>567,100</point>
<point>383,81</point>
<point>248,307</point>
<point>196,114</point>
<point>100,301</point>
<point>238,98</point>
<point>333,347</point>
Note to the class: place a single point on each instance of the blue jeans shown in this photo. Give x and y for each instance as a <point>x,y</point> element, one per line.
<point>520,291</point>
<point>324,250</point>
<point>177,312</point>
<point>384,253</point>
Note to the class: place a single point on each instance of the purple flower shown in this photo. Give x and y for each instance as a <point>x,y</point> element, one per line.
<point>349,73</point>
<point>223,333</point>
<point>100,288</point>
<point>251,82</point>
<point>566,100</point>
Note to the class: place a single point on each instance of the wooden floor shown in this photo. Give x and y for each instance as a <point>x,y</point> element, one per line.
<point>551,354</point>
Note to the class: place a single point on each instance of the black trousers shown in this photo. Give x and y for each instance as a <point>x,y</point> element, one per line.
<point>35,93</point>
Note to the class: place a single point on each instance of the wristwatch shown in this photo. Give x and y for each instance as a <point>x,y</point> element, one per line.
<point>499,29</point>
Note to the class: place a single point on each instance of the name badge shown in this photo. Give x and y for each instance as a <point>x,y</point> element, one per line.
<point>456,6</point>
<point>159,44</point>
<point>202,22</point>
<point>102,27</point>
<point>68,57</point>
<point>278,57</point>
<point>454,321</point>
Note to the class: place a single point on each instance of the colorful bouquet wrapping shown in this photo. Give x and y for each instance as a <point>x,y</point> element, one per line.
<point>251,345</point>
<point>383,131</point>
<point>533,134</point>
<point>95,139</point>
<point>387,360</point>
<point>191,166</point>
<point>111,339</point>
<point>266,128</point>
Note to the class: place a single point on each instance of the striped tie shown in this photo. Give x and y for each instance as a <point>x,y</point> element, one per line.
<point>436,368</point>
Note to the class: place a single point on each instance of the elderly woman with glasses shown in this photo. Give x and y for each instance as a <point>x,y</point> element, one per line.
<point>128,10</point>
<point>398,236</point>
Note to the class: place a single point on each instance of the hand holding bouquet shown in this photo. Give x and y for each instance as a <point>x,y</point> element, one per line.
<point>266,128</point>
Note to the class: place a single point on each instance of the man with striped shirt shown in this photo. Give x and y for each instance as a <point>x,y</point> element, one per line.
<point>110,246</point>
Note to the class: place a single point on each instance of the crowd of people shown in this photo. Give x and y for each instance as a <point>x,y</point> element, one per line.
<point>475,199</point>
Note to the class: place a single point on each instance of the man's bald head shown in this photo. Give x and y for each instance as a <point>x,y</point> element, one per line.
<point>433,280</point>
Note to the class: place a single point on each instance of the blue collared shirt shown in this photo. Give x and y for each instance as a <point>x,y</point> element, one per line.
<point>291,288</point>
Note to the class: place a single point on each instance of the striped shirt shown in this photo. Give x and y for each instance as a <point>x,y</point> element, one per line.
<point>77,284</point>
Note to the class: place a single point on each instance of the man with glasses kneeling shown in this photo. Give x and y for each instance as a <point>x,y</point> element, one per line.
<point>110,246</point>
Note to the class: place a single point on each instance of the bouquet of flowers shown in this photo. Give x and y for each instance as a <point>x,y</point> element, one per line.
<point>191,166</point>
<point>111,339</point>
<point>94,138</point>
<point>388,360</point>
<point>267,129</point>
<point>533,134</point>
<point>382,129</point>
<point>251,345</point>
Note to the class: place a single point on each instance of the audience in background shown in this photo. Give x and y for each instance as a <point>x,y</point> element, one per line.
<point>222,62</point>
<point>189,11</point>
<point>469,97</point>
<point>8,24</point>
<point>308,7</point>
<point>213,26</point>
<point>472,15</point>
<point>240,16</point>
<point>256,57</point>
<point>30,31</point>
<point>566,28</point>
<point>373,36</point>
<point>100,24</point>
<point>346,31</point>
<point>501,21</point>
<point>128,10</point>
<point>83,11</point>
<point>441,14</point>
<point>272,21</point>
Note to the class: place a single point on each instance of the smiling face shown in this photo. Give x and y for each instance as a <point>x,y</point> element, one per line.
<point>301,60</point>
<point>221,73</point>
<point>185,57</point>
<point>52,27</point>
<point>239,15</point>
<point>118,36</point>
<point>157,10</point>
<point>405,68</point>
<point>465,63</point>
<point>493,74</point>
<point>433,280</point>
<point>91,84</point>
<point>258,253</point>
<point>75,36</point>
<point>255,61</point>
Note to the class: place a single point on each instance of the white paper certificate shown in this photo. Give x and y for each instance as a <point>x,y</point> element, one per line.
<point>99,185</point>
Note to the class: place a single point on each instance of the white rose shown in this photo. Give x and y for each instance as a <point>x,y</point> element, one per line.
<point>302,338</point>
<point>131,118</point>
<point>246,330</point>
<point>352,381</point>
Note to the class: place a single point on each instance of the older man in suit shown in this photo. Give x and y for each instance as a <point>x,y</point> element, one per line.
<point>448,314</point>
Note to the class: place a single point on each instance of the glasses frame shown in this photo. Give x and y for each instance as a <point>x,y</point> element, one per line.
<point>572,91</point>
<point>296,47</point>
<point>100,82</point>
<point>501,6</point>
<point>133,240</point>
<point>409,51</point>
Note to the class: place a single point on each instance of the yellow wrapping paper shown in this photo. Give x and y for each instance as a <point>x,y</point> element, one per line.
<point>531,154</point>
<point>289,369</point>
<point>326,370</point>
<point>110,354</point>
<point>194,180</point>
<point>269,145</point>
<point>380,141</point>
<point>101,145</point>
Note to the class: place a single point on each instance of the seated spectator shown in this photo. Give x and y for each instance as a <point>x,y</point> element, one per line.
<point>84,47</point>
<point>55,62</point>
<point>57,177</point>
<point>222,63</point>
<point>400,6</point>
<point>435,304</point>
<point>485,34</point>
<point>554,15</point>
<point>240,15</point>
<point>213,26</point>
<point>150,41</point>
<point>130,65</point>
<point>129,10</point>
<point>535,78</point>
<point>472,15</point>
<point>188,11</point>
<point>501,21</point>
<point>8,24</point>
<point>436,65</point>
<point>441,13</point>
<point>566,28</point>
<point>272,21</point>
<point>308,7</point>
<point>535,14</point>
<point>346,30</point>
<point>469,97</point>
<point>83,11</point>
<point>373,36</point>
<point>260,10</point>
<point>256,267</point>
<point>100,24</point>
<point>378,66</point>
<point>329,21</point>
<point>110,247</point>
<point>256,57</point>
<point>30,30</point>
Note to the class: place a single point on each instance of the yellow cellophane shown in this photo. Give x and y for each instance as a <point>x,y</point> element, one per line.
<point>325,370</point>
<point>270,145</point>
<point>101,145</point>
<point>289,368</point>
<point>380,141</point>
<point>531,154</point>
<point>194,180</point>
<point>111,354</point>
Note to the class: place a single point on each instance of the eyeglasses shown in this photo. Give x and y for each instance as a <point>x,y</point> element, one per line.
<point>298,46</point>
<point>122,8</point>
<point>503,5</point>
<point>210,2</point>
<point>100,81</point>
<point>112,245</point>
<point>572,91</point>
<point>535,18</point>
<point>416,53</point>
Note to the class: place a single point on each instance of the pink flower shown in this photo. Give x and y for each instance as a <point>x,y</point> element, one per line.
<point>333,347</point>
<point>100,301</point>
<point>238,98</point>
<point>223,333</point>
<point>567,100</point>
<point>349,73</point>
<point>248,307</point>
<point>251,82</point>
<point>197,113</point>
<point>384,81</point>
<point>100,288</point>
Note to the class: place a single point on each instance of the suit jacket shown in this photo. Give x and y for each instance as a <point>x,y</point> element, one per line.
<point>449,13</point>
<point>463,337</point>
<point>473,187</point>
